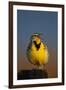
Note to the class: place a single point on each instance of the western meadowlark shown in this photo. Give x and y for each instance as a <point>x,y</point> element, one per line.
<point>37,51</point>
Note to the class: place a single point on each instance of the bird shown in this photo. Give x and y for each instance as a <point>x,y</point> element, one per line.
<point>37,51</point>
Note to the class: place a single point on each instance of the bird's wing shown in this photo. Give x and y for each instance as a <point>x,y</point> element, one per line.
<point>45,46</point>
<point>29,46</point>
<point>46,49</point>
<point>28,52</point>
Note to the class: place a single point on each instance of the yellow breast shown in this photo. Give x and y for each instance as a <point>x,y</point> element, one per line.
<point>38,56</point>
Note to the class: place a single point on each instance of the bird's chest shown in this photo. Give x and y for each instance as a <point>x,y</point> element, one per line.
<point>37,49</point>
<point>37,55</point>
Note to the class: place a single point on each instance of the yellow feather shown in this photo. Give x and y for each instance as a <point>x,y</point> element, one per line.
<point>38,56</point>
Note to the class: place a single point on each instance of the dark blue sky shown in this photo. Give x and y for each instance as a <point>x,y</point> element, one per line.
<point>29,22</point>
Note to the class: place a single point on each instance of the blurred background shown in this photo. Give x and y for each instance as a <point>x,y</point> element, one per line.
<point>29,22</point>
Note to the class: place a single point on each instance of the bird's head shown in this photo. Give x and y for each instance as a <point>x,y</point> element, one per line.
<point>36,38</point>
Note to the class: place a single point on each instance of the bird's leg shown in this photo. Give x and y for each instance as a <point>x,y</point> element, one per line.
<point>41,67</point>
<point>34,67</point>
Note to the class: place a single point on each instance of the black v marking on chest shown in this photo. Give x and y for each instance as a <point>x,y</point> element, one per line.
<point>37,45</point>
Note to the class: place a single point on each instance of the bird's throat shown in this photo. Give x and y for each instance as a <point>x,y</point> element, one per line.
<point>37,45</point>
